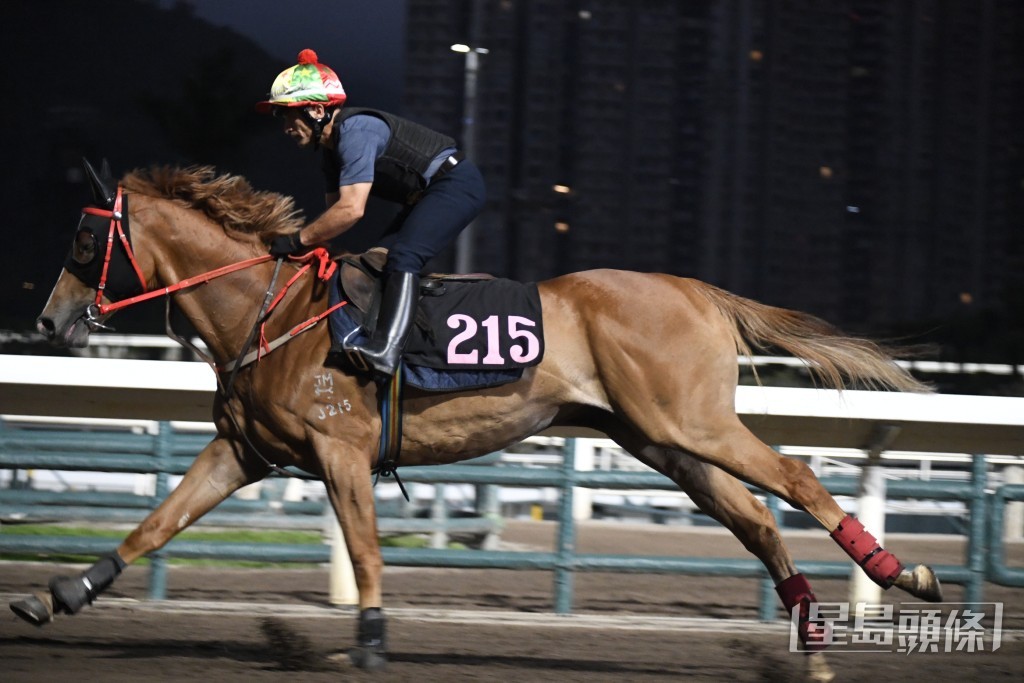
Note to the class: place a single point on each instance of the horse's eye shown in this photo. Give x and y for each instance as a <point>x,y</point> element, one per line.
<point>85,247</point>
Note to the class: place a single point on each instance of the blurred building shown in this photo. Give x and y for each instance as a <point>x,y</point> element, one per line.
<point>859,160</point>
<point>934,159</point>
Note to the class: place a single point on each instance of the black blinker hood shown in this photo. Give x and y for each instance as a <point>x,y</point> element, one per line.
<point>122,283</point>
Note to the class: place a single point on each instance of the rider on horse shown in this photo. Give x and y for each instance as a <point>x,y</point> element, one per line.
<point>368,151</point>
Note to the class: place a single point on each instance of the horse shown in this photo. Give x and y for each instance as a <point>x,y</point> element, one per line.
<point>648,359</point>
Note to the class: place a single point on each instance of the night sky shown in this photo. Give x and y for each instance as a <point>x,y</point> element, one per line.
<point>151,82</point>
<point>93,77</point>
<point>363,41</point>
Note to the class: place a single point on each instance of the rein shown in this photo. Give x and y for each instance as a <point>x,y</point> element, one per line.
<point>326,268</point>
<point>261,318</point>
<point>116,227</point>
<point>245,357</point>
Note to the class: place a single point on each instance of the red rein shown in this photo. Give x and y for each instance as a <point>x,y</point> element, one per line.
<point>326,267</point>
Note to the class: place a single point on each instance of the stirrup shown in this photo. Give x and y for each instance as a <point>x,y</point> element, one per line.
<point>354,354</point>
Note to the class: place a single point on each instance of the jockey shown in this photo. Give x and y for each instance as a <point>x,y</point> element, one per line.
<point>367,151</point>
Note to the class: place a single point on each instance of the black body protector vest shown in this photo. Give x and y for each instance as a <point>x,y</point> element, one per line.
<point>399,172</point>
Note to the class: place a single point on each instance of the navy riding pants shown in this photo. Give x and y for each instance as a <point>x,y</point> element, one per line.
<point>423,230</point>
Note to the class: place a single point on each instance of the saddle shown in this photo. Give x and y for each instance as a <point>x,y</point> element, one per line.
<point>470,331</point>
<point>361,278</point>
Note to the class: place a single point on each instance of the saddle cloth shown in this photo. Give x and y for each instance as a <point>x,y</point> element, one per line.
<point>470,333</point>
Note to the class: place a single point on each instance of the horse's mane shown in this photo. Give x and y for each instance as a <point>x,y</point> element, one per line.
<point>226,199</point>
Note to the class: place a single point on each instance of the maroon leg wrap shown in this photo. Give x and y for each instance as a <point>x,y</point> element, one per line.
<point>879,564</point>
<point>796,591</point>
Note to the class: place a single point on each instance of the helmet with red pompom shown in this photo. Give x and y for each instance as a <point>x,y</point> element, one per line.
<point>308,82</point>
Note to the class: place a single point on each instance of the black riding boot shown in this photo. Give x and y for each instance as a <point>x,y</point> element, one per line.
<point>397,311</point>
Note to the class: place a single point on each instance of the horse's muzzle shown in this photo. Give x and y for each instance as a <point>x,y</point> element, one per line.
<point>47,328</point>
<point>74,335</point>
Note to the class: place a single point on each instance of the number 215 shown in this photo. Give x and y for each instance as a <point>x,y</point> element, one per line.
<point>492,326</point>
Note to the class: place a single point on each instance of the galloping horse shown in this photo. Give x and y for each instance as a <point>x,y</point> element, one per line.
<point>648,359</point>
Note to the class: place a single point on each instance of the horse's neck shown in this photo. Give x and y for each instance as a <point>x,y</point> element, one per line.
<point>224,310</point>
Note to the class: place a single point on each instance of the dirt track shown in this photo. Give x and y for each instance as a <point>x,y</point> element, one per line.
<point>478,625</point>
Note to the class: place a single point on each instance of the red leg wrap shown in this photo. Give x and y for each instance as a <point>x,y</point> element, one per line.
<point>879,564</point>
<point>795,592</point>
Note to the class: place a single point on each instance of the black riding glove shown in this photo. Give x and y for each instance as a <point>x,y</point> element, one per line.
<point>286,245</point>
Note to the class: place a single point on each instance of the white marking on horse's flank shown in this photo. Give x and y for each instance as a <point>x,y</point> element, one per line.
<point>323,385</point>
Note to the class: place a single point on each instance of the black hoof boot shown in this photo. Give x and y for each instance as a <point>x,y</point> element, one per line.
<point>370,653</point>
<point>70,594</point>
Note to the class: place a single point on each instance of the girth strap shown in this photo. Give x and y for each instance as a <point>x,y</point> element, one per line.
<point>391,430</point>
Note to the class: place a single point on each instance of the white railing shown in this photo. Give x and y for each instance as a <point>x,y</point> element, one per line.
<point>780,416</point>
<point>872,422</point>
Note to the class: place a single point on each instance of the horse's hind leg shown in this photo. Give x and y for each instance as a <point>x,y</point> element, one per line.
<point>727,500</point>
<point>676,407</point>
<point>739,452</point>
<point>213,476</point>
<point>722,497</point>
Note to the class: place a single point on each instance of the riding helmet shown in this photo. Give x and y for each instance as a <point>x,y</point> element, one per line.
<point>308,82</point>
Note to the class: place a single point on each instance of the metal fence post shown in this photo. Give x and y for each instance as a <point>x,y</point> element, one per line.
<point>566,549</point>
<point>439,516</point>
<point>15,483</point>
<point>871,499</point>
<point>583,498</point>
<point>977,544</point>
<point>342,583</point>
<point>1014,525</point>
<point>488,506</point>
<point>996,570</point>
<point>158,560</point>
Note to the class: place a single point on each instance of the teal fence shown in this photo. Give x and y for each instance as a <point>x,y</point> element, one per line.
<point>167,452</point>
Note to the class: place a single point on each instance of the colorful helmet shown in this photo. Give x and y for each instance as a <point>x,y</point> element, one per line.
<point>308,82</point>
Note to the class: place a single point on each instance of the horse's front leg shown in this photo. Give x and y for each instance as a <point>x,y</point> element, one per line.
<point>217,472</point>
<point>350,490</point>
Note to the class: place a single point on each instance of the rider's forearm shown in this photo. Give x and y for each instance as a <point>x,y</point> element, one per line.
<point>342,213</point>
<point>333,222</point>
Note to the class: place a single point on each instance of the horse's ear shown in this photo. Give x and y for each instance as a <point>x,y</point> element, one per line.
<point>105,173</point>
<point>102,191</point>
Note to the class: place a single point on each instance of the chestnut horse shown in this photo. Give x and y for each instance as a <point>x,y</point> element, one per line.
<point>648,359</point>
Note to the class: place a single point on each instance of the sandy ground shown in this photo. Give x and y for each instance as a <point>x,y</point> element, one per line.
<point>482,625</point>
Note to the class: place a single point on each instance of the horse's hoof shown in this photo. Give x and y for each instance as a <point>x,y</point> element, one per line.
<point>815,637</point>
<point>920,582</point>
<point>818,670</point>
<point>36,609</point>
<point>368,659</point>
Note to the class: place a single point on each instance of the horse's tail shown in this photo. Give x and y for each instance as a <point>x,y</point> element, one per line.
<point>833,358</point>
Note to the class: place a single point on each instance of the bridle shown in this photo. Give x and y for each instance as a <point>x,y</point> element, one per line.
<point>98,308</point>
<point>105,226</point>
<point>116,228</point>
<point>326,268</point>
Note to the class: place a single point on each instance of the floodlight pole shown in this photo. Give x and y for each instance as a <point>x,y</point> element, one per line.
<point>464,244</point>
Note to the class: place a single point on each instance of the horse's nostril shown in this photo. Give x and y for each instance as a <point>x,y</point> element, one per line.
<point>46,328</point>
